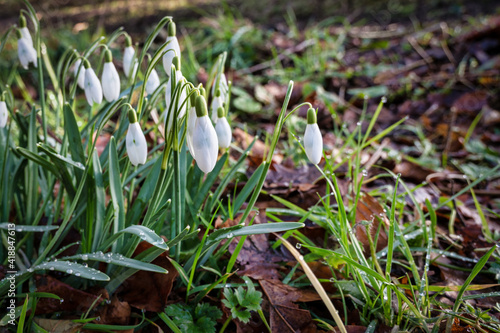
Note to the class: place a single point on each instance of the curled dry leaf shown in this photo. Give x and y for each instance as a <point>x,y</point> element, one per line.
<point>369,214</point>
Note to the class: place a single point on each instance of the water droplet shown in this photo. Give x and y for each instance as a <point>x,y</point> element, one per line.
<point>301,258</point>
<point>93,278</point>
<point>61,300</point>
<point>384,99</point>
<point>464,176</point>
<point>365,173</point>
<point>98,319</point>
<point>69,271</point>
<point>230,235</point>
<point>358,123</point>
<point>51,268</point>
<point>298,246</point>
<point>332,279</point>
<point>108,301</point>
<point>30,270</point>
<point>85,257</point>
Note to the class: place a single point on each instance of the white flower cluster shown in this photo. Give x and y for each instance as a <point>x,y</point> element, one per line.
<point>206,130</point>
<point>183,102</point>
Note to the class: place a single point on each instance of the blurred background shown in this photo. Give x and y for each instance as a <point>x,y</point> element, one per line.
<point>140,14</point>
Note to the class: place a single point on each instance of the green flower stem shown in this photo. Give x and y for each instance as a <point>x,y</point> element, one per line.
<point>266,164</point>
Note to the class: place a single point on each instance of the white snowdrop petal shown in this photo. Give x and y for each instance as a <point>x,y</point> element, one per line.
<point>26,53</point>
<point>25,33</point>
<point>313,143</point>
<point>128,56</point>
<point>110,82</point>
<point>205,144</point>
<point>191,122</point>
<point>93,89</point>
<point>216,103</point>
<point>4,114</point>
<point>173,49</point>
<point>81,75</point>
<point>137,148</point>
<point>223,131</point>
<point>153,82</point>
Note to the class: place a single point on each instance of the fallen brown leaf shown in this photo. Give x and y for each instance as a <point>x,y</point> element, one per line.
<point>284,314</point>
<point>72,300</point>
<point>146,290</point>
<point>369,210</point>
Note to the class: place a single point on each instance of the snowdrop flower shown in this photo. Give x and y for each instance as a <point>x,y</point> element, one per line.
<point>128,57</point>
<point>79,73</point>
<point>223,86</point>
<point>173,48</point>
<point>137,148</point>
<point>93,89</point>
<point>313,141</point>
<point>110,79</point>
<point>4,114</point>
<point>25,51</point>
<point>217,102</point>
<point>153,82</point>
<point>205,145</point>
<point>222,129</point>
<point>25,33</point>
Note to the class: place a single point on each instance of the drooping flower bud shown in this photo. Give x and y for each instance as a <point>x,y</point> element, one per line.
<point>110,79</point>
<point>204,138</point>
<point>25,33</point>
<point>79,73</point>
<point>137,147</point>
<point>25,51</point>
<point>173,48</point>
<point>4,114</point>
<point>222,129</point>
<point>93,89</point>
<point>313,141</point>
<point>128,57</point>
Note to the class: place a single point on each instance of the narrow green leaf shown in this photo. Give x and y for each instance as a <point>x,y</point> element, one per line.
<point>255,229</point>
<point>119,260</point>
<point>115,187</point>
<point>475,271</point>
<point>72,268</point>
<point>143,233</point>
<point>22,317</point>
